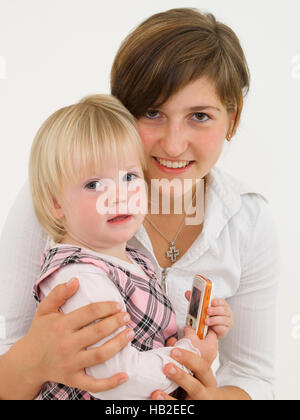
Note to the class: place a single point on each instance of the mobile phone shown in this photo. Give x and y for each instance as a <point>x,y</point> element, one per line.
<point>201,297</point>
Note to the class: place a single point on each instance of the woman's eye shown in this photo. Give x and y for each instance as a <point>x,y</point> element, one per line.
<point>152,114</point>
<point>200,117</point>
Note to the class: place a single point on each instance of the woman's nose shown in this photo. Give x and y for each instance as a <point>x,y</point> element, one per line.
<point>173,140</point>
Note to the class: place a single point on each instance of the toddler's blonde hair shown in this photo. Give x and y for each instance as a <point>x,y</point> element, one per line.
<point>71,144</point>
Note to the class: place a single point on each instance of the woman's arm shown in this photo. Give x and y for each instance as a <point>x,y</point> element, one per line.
<point>21,246</point>
<point>54,348</point>
<point>143,368</point>
<point>25,355</point>
<point>203,386</point>
<point>247,354</point>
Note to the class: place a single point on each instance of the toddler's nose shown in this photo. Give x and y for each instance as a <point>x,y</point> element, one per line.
<point>120,200</point>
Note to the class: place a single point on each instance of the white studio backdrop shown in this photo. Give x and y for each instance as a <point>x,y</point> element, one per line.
<point>53,52</point>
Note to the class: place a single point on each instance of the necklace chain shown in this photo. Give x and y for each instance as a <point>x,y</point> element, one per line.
<point>172,253</point>
<point>176,236</point>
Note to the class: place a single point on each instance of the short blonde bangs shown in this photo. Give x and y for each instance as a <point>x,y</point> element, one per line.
<point>72,144</point>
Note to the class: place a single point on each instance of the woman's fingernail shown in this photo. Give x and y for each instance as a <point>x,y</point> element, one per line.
<point>123,380</point>
<point>71,282</point>
<point>160,397</point>
<point>172,370</point>
<point>130,334</point>
<point>176,353</point>
<point>126,318</point>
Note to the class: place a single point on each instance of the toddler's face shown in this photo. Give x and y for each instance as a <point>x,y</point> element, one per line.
<point>107,208</point>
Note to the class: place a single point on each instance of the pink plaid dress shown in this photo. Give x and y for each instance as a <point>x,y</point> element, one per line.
<point>152,317</point>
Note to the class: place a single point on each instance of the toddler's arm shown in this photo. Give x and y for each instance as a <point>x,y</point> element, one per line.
<point>145,369</point>
<point>208,348</point>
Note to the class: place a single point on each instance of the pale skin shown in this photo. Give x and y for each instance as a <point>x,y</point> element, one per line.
<point>89,225</point>
<point>177,136</point>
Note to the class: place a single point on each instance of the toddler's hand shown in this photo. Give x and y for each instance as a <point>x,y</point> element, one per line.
<point>220,317</point>
<point>208,347</point>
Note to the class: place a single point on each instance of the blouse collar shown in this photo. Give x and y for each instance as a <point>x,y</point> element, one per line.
<point>222,201</point>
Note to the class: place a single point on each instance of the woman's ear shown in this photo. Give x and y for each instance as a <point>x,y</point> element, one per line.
<point>233,123</point>
<point>57,210</point>
<point>235,116</point>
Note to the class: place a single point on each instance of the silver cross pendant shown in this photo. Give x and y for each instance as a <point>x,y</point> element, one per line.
<point>173,253</point>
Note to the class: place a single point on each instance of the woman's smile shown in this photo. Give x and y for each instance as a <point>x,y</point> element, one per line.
<point>172,167</point>
<point>175,142</point>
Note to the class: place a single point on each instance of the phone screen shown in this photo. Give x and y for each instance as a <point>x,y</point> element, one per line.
<point>195,302</point>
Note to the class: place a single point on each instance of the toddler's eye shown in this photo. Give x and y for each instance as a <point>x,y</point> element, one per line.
<point>130,177</point>
<point>152,114</point>
<point>200,117</point>
<point>94,185</point>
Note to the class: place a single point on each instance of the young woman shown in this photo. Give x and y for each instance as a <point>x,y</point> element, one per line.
<point>183,76</point>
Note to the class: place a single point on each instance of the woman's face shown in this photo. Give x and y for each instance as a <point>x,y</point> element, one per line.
<point>184,137</point>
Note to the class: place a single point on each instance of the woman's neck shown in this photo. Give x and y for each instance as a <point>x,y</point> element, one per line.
<point>168,204</point>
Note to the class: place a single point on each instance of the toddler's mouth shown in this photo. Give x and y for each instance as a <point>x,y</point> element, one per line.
<point>120,218</point>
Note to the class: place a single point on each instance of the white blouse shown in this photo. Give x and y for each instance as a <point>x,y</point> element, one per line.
<point>238,250</point>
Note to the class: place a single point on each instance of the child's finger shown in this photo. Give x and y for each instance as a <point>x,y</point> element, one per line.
<point>218,320</point>
<point>219,331</point>
<point>219,302</point>
<point>188,295</point>
<point>188,331</point>
<point>220,310</point>
<point>171,342</point>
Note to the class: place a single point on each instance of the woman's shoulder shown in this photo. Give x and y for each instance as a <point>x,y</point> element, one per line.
<point>240,207</point>
<point>243,199</point>
<point>221,179</point>
<point>253,219</point>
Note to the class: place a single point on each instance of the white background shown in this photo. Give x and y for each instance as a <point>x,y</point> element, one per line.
<point>53,52</point>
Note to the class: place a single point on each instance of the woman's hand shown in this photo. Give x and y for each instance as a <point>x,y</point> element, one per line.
<point>54,348</point>
<point>201,386</point>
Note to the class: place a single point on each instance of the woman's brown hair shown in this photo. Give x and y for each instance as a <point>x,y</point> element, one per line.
<point>171,49</point>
